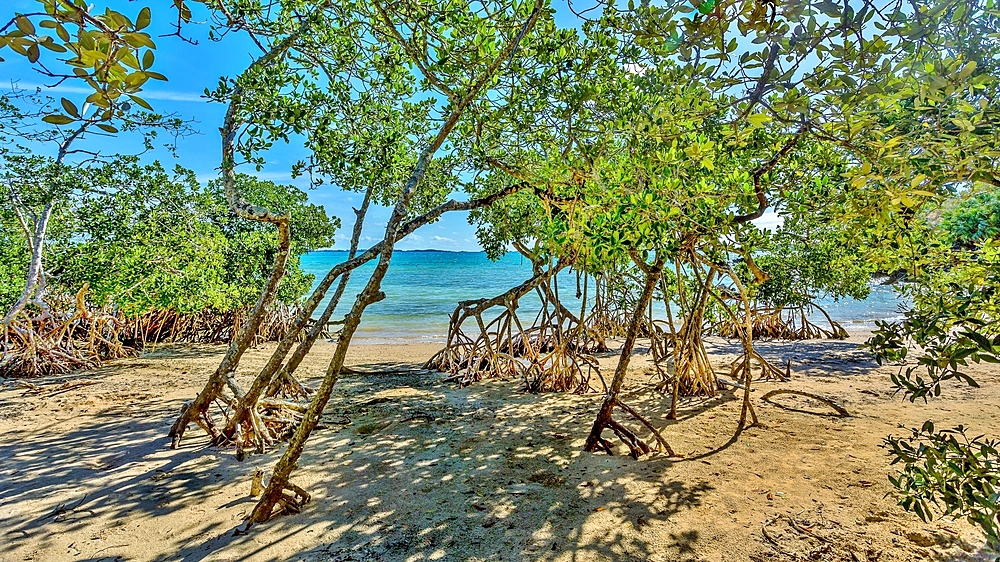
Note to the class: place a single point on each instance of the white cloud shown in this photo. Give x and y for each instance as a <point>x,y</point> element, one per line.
<point>163,95</point>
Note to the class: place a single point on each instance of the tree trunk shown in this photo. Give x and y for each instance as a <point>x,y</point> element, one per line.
<point>35,282</point>
<point>604,419</point>
<point>272,371</point>
<point>279,481</point>
<point>223,375</point>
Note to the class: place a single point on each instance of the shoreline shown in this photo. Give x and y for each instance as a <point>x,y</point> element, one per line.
<point>409,467</point>
<point>378,337</point>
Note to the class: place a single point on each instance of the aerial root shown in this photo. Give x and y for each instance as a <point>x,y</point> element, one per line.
<point>552,354</point>
<point>287,386</point>
<point>287,503</point>
<point>837,407</point>
<point>294,502</point>
<point>545,361</point>
<point>637,447</point>
<point>662,444</point>
<point>782,324</point>
<point>204,421</point>
<point>767,370</point>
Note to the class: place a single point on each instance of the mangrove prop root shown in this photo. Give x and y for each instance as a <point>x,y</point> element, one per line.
<point>661,442</point>
<point>693,373</point>
<point>637,447</point>
<point>289,499</point>
<point>790,323</point>
<point>58,342</point>
<point>768,371</point>
<point>552,355</point>
<point>604,420</point>
<point>837,407</point>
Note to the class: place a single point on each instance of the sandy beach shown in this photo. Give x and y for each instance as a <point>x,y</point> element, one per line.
<point>408,467</point>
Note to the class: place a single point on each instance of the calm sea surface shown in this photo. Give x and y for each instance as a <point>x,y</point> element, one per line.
<point>423,287</point>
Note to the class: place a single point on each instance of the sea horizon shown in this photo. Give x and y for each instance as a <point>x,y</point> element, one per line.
<point>423,288</point>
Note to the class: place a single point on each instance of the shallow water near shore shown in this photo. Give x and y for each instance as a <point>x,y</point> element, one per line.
<point>423,287</point>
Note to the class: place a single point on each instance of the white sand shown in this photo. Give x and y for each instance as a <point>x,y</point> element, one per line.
<point>410,468</point>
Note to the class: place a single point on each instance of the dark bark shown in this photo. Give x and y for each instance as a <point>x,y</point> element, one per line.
<point>604,416</point>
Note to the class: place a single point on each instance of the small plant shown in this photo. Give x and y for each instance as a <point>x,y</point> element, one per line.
<point>946,472</point>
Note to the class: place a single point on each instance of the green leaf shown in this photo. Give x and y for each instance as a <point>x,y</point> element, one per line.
<point>142,20</point>
<point>57,119</point>
<point>141,102</point>
<point>966,71</point>
<point>53,46</point>
<point>70,107</point>
<point>25,25</point>
<point>107,128</point>
<point>758,119</point>
<point>139,40</point>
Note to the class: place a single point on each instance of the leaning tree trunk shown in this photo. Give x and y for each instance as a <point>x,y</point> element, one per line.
<point>271,375</point>
<point>198,410</point>
<point>275,492</point>
<point>604,416</point>
<point>318,328</point>
<point>279,483</point>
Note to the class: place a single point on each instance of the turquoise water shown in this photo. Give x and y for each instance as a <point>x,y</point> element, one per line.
<point>423,287</point>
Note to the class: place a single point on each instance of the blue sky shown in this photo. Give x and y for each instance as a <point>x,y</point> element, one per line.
<point>193,68</point>
<point>190,70</point>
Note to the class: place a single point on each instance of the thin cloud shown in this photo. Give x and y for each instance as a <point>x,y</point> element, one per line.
<point>161,95</point>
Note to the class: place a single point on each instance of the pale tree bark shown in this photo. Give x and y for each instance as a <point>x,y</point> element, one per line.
<point>312,303</point>
<point>35,285</point>
<point>279,482</point>
<point>35,280</point>
<point>745,333</point>
<point>197,411</point>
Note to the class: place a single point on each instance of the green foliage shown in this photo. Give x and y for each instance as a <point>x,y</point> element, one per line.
<point>956,302</point>
<point>946,472</point>
<point>110,52</point>
<point>805,260</point>
<point>974,220</point>
<point>144,240</point>
<point>14,256</point>
<point>953,320</point>
<point>248,253</point>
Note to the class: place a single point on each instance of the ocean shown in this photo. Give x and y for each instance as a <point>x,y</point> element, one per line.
<point>423,287</point>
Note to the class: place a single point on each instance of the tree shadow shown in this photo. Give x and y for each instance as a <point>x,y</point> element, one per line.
<point>817,357</point>
<point>408,468</point>
<point>486,472</point>
<point>109,467</point>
